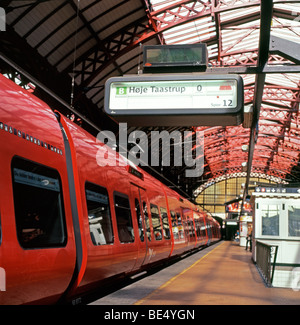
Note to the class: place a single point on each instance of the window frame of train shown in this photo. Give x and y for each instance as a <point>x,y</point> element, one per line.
<point>128,218</point>
<point>35,185</point>
<point>95,193</point>
<point>176,99</point>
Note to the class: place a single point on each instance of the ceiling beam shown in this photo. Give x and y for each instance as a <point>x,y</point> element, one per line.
<point>150,32</point>
<point>266,13</point>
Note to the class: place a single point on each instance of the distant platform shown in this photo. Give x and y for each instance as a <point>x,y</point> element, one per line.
<point>222,274</point>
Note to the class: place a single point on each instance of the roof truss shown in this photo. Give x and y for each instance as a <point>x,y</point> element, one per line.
<point>109,36</point>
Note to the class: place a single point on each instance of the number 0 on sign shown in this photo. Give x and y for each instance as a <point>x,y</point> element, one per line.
<point>170,100</point>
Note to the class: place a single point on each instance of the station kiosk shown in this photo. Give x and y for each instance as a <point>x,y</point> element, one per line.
<point>276,222</point>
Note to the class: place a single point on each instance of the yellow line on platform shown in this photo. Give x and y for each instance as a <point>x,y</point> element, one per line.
<point>175,277</point>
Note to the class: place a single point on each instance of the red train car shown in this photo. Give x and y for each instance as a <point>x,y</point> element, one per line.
<point>69,224</point>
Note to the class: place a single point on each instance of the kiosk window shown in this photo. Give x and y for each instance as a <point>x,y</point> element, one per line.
<point>124,220</point>
<point>294,221</point>
<point>99,214</point>
<point>270,219</point>
<point>38,202</point>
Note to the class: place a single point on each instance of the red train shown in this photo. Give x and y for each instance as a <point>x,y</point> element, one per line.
<point>68,225</point>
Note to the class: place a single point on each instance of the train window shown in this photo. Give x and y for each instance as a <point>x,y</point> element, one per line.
<point>165,221</point>
<point>173,218</point>
<point>139,218</point>
<point>156,222</point>
<point>191,227</point>
<point>124,220</point>
<point>38,202</point>
<point>147,221</point>
<point>174,225</point>
<point>197,225</point>
<point>185,227</point>
<point>99,214</point>
<point>202,227</point>
<point>294,220</point>
<point>180,227</point>
<point>208,227</point>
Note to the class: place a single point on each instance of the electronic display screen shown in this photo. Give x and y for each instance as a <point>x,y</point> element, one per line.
<point>180,55</point>
<point>190,99</point>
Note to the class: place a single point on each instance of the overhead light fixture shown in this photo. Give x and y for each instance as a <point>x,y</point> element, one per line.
<point>245,147</point>
<point>244,166</point>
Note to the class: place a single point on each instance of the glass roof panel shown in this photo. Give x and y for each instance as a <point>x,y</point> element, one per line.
<point>231,30</point>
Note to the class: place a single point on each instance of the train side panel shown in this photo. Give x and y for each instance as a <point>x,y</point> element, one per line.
<point>160,245</point>
<point>179,238</point>
<point>104,191</point>
<point>117,241</point>
<point>37,250</point>
<point>68,221</point>
<point>200,229</point>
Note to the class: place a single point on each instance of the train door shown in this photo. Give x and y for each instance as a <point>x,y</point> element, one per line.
<point>143,223</point>
<point>39,254</point>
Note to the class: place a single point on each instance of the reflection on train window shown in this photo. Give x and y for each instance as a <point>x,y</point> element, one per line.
<point>124,220</point>
<point>38,202</point>
<point>147,221</point>
<point>156,222</point>
<point>165,221</point>
<point>139,218</point>
<point>99,214</point>
<point>294,220</point>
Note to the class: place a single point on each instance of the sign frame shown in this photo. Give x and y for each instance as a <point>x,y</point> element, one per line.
<point>177,116</point>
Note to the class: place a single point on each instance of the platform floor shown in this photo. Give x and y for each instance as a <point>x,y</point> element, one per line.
<point>222,274</point>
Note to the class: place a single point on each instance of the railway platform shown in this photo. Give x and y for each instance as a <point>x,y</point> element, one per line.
<point>222,274</point>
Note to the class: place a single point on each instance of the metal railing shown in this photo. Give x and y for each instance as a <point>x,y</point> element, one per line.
<point>266,256</point>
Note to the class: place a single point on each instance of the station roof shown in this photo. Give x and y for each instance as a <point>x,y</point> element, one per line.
<point>90,41</point>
